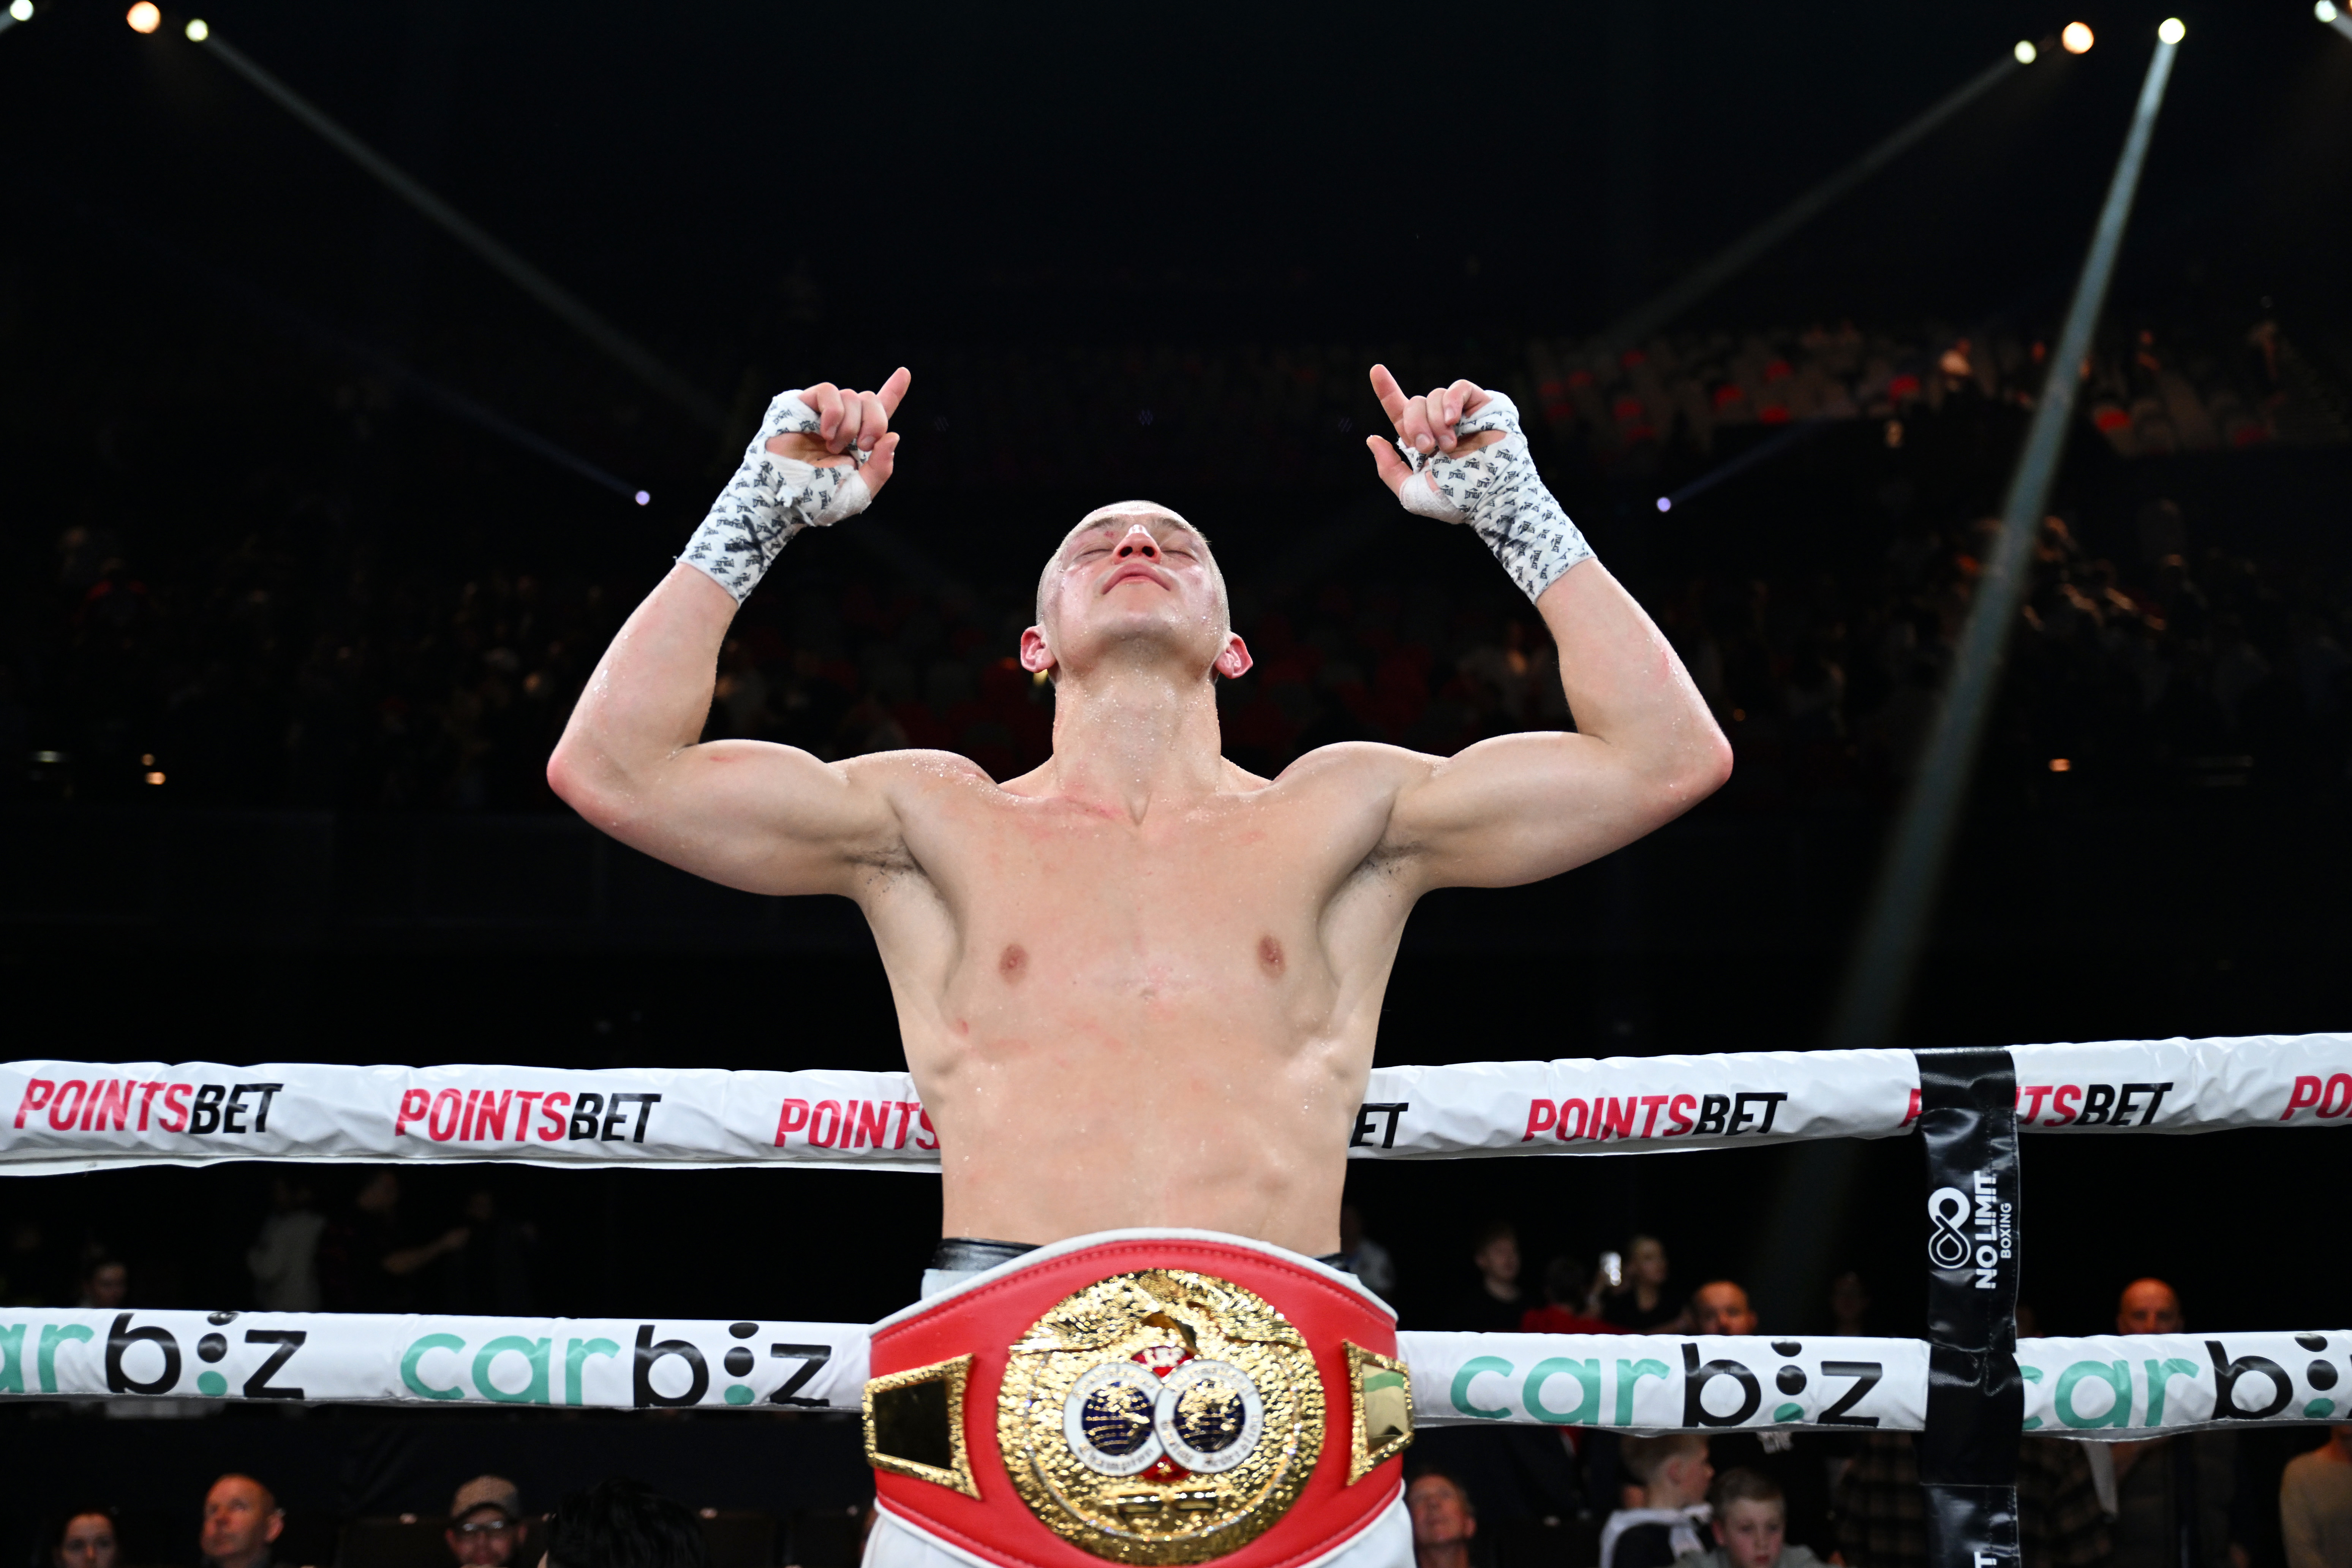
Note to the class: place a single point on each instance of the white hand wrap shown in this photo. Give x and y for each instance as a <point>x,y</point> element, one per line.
<point>770,499</point>
<point>1496,491</point>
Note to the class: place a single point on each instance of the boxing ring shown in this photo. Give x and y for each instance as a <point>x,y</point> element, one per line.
<point>1970,1388</point>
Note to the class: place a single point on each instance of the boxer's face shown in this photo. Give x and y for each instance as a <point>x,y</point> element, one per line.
<point>1134,574</point>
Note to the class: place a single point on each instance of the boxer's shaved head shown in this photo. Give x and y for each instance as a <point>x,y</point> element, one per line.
<point>1118,517</point>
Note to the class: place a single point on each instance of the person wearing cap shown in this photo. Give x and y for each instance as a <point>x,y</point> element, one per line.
<point>484,1522</point>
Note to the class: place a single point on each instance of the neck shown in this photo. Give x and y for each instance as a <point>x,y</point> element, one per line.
<point>1446,1554</point>
<point>1130,737</point>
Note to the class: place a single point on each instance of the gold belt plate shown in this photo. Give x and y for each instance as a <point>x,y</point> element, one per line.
<point>1162,1416</point>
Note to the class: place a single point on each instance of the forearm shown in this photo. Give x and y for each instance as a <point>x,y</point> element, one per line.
<point>1626,687</point>
<point>647,700</point>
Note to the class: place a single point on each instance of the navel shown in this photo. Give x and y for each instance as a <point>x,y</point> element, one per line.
<point>1269,953</point>
<point>1014,962</point>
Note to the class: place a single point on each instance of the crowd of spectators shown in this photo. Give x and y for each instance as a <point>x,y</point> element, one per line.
<point>373,1251</point>
<point>2150,394</point>
<point>612,1524</point>
<point>2148,671</point>
<point>1780,1499</point>
<point>1543,1496</point>
<point>292,664</point>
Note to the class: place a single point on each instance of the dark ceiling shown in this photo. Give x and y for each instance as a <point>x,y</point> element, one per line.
<point>1270,172</point>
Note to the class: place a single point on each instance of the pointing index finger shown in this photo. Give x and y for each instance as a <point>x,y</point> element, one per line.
<point>1392,395</point>
<point>894,389</point>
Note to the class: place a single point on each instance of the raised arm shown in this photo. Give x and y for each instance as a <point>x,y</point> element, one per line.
<point>1517,809</point>
<point>763,817</point>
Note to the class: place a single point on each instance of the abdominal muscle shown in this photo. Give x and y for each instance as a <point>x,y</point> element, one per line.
<point>1203,1106</point>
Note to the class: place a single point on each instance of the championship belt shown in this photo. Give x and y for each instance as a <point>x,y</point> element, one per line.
<point>1141,1397</point>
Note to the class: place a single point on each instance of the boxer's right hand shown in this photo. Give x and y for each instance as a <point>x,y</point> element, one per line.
<point>852,427</point>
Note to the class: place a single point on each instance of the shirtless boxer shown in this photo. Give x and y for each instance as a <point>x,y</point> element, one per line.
<point>1138,986</point>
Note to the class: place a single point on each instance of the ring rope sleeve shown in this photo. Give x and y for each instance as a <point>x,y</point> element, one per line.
<point>2108,1388</point>
<point>65,1116</point>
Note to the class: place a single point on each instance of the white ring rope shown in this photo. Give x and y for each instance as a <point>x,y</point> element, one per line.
<point>66,1116</point>
<point>2103,1387</point>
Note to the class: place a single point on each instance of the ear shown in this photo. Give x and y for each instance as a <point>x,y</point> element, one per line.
<point>1035,655</point>
<point>276,1526</point>
<point>1234,661</point>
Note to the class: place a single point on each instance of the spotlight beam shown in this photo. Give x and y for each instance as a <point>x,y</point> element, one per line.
<point>1791,1254</point>
<point>1892,931</point>
<point>568,306</point>
<point>303,328</point>
<point>1647,318</point>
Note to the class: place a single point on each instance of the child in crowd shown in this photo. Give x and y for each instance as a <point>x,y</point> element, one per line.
<point>1665,1504</point>
<point>1750,1523</point>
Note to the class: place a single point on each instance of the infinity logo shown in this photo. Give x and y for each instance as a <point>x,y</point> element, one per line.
<point>1948,1208</point>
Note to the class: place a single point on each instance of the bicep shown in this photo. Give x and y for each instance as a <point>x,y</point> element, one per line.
<point>763,817</point>
<point>1521,808</point>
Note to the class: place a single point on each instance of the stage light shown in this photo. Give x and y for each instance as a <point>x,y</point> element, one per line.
<point>145,17</point>
<point>2025,52</point>
<point>2061,765</point>
<point>2076,38</point>
<point>2170,30</point>
<point>644,498</point>
<point>22,11</point>
<point>1665,503</point>
<point>2326,10</point>
<point>197,31</point>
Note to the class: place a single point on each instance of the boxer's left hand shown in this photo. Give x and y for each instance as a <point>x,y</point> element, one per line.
<point>1425,424</point>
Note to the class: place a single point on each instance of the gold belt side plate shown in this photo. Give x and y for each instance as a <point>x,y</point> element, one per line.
<point>1379,1387</point>
<point>914,1423</point>
<point>1161,1417</point>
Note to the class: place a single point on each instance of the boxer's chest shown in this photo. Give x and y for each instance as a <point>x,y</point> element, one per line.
<point>1215,910</point>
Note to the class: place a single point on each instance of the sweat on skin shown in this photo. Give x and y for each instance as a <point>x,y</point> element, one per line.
<point>1137,985</point>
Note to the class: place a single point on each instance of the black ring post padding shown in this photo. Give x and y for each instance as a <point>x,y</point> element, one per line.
<point>1976,1400</point>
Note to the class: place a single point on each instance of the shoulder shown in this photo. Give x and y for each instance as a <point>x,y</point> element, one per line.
<point>1365,767</point>
<point>909,774</point>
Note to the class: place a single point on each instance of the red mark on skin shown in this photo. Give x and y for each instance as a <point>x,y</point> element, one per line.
<point>1269,952</point>
<point>1014,962</point>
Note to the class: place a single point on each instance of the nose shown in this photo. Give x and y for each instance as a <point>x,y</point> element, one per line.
<point>1138,543</point>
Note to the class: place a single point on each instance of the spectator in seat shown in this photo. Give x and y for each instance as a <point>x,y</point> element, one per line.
<point>624,1524</point>
<point>105,1283</point>
<point>1796,1465</point>
<point>1495,1307</point>
<point>1751,1526</point>
<point>86,1539</point>
<point>2164,1483</point>
<point>284,1257</point>
<point>484,1522</point>
<point>371,1261</point>
<point>1642,1307</point>
<point>1849,1305</point>
<point>241,1520</point>
<point>1663,1505</point>
<point>2315,1504</point>
<point>1882,1521</point>
<point>1444,1521</point>
<point>1567,1285</point>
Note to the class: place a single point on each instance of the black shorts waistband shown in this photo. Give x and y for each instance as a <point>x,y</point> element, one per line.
<point>970,1254</point>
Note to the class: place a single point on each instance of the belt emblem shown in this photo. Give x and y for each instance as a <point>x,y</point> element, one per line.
<point>1163,1416</point>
